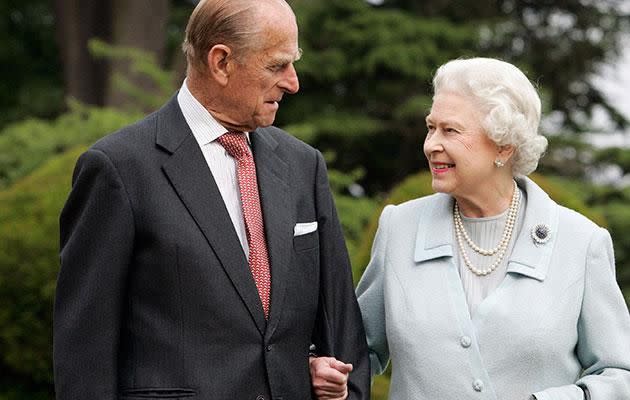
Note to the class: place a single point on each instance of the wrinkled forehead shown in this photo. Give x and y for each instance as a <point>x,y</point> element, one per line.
<point>280,37</point>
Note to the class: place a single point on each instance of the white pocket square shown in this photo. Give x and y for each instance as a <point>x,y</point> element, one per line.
<point>302,228</point>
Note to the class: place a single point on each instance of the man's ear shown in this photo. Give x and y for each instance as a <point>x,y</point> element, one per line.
<point>219,63</point>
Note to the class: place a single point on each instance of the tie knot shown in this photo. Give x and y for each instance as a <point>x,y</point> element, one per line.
<point>235,143</point>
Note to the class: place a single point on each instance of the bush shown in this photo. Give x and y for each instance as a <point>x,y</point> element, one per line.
<point>29,247</point>
<point>26,145</point>
<point>619,216</point>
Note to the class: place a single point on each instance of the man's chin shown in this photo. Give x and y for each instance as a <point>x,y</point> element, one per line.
<point>265,122</point>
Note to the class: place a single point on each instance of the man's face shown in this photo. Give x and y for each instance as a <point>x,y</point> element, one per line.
<point>258,82</point>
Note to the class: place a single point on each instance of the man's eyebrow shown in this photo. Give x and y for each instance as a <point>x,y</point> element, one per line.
<point>288,59</point>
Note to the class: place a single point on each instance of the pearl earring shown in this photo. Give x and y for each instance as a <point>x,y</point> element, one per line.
<point>498,163</point>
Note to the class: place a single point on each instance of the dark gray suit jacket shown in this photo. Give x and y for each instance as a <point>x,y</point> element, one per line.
<point>155,298</point>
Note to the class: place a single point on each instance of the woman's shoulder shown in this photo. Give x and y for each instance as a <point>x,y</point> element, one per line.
<point>419,204</point>
<point>409,213</point>
<point>576,223</point>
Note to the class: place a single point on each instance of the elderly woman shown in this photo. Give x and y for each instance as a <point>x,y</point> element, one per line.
<point>489,289</point>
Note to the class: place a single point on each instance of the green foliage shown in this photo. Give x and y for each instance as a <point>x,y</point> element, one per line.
<point>618,213</point>
<point>354,212</point>
<point>614,156</point>
<point>365,83</point>
<point>567,155</point>
<point>28,269</point>
<point>30,84</point>
<point>560,44</point>
<point>366,71</point>
<point>26,145</point>
<point>142,64</point>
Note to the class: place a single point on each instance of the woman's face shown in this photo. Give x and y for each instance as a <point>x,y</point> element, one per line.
<point>460,154</point>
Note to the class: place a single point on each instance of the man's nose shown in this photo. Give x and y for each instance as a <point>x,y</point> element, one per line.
<point>290,82</point>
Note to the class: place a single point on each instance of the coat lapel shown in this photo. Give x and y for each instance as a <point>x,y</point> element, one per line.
<point>437,241</point>
<point>188,173</point>
<point>273,184</point>
<point>529,258</point>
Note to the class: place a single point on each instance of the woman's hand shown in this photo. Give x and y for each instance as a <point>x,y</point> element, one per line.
<point>329,378</point>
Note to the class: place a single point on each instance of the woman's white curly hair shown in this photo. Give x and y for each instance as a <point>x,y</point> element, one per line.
<point>506,98</point>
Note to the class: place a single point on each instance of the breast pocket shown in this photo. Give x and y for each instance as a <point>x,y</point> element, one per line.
<point>306,242</point>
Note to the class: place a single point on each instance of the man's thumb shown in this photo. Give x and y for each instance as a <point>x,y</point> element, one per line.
<point>342,367</point>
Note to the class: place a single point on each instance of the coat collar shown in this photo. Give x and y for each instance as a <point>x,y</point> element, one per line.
<point>435,232</point>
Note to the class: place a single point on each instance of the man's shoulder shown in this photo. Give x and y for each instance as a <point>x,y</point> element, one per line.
<point>286,140</point>
<point>138,133</point>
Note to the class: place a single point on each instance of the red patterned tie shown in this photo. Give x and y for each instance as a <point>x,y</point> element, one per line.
<point>235,143</point>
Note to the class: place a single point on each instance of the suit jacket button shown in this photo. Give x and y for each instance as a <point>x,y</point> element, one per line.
<point>465,341</point>
<point>268,347</point>
<point>478,385</point>
<point>260,397</point>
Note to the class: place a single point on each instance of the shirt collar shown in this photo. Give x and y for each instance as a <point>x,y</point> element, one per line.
<point>203,125</point>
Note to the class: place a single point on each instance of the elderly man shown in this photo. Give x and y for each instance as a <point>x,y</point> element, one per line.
<point>201,254</point>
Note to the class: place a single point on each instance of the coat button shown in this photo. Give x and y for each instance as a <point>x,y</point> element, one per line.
<point>478,385</point>
<point>268,347</point>
<point>465,341</point>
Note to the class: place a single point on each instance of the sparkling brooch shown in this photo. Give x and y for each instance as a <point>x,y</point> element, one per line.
<point>541,233</point>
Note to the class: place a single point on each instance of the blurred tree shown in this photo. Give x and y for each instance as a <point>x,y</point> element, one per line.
<point>366,70</point>
<point>563,43</point>
<point>77,21</point>
<point>139,24</point>
<point>130,23</point>
<point>31,83</point>
<point>365,83</point>
<point>38,73</point>
<point>25,145</point>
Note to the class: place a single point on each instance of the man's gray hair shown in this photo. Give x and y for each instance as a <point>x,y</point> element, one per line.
<point>228,22</point>
<point>508,102</point>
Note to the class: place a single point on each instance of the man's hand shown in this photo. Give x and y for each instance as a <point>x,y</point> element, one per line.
<point>329,378</point>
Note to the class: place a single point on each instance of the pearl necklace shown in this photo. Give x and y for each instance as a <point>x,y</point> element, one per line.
<point>500,249</point>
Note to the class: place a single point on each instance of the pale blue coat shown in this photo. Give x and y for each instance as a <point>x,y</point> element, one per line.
<point>558,312</point>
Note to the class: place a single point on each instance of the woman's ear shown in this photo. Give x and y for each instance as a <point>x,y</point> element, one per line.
<point>219,63</point>
<point>505,153</point>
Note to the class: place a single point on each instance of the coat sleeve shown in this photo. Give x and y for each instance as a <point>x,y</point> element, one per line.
<point>96,237</point>
<point>603,331</point>
<point>371,297</point>
<point>338,328</point>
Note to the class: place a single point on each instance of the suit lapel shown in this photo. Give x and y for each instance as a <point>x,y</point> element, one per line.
<point>188,173</point>
<point>273,183</point>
